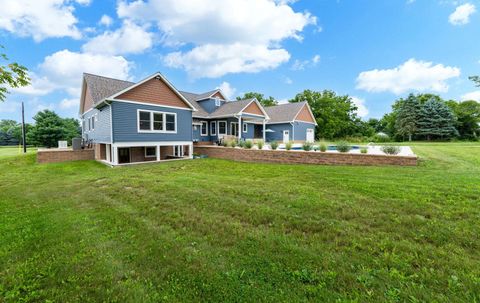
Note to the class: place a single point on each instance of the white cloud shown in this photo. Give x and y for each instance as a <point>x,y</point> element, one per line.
<point>129,39</point>
<point>462,14</point>
<point>362,110</point>
<point>213,61</point>
<point>10,107</point>
<point>412,75</point>
<point>475,95</point>
<point>69,103</point>
<point>63,70</point>
<point>227,90</point>
<point>106,20</point>
<point>302,65</point>
<point>288,81</point>
<point>40,19</point>
<point>254,26</point>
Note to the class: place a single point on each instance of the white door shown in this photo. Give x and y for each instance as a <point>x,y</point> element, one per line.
<point>286,136</point>
<point>310,135</point>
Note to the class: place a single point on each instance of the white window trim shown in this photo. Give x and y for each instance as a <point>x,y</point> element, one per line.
<point>226,128</point>
<point>206,128</point>
<point>245,127</point>
<point>217,102</point>
<point>180,150</point>
<point>213,133</point>
<point>231,128</point>
<point>147,156</point>
<point>164,131</point>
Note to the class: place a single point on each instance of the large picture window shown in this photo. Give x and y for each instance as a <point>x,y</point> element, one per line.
<point>158,122</point>
<point>222,127</point>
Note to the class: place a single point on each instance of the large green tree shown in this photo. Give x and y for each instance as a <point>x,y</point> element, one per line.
<point>50,128</point>
<point>468,118</point>
<point>436,120</point>
<point>336,115</point>
<point>475,79</point>
<point>407,116</point>
<point>12,75</point>
<point>270,101</point>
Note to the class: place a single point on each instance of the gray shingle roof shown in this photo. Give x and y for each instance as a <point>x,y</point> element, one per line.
<point>230,108</point>
<point>102,87</point>
<point>206,95</point>
<point>191,97</point>
<point>284,112</point>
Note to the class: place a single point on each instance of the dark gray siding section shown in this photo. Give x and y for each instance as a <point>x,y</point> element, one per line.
<point>125,123</point>
<point>278,129</point>
<point>300,130</point>
<point>101,132</point>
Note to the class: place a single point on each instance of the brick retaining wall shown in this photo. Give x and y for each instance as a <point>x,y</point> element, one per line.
<point>61,155</point>
<point>302,157</point>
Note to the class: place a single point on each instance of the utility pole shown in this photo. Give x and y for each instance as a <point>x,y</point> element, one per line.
<point>24,140</point>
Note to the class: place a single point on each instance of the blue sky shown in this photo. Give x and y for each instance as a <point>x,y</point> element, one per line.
<point>374,51</point>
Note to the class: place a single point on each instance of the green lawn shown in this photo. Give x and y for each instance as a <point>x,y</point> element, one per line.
<point>214,230</point>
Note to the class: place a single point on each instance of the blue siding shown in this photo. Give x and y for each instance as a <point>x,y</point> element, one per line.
<point>300,130</point>
<point>250,131</point>
<point>278,129</point>
<point>125,124</point>
<point>101,132</point>
<point>209,105</point>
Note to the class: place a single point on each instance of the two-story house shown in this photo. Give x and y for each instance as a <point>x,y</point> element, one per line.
<point>151,120</point>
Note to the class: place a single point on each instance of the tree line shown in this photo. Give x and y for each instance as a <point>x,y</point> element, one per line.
<point>48,129</point>
<point>416,117</point>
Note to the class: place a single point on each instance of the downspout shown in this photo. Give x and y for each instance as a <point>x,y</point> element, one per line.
<point>293,130</point>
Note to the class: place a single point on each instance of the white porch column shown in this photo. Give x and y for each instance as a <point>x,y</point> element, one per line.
<point>108,152</point>
<point>157,152</point>
<point>190,150</point>
<point>115,155</point>
<point>240,128</point>
<point>264,134</point>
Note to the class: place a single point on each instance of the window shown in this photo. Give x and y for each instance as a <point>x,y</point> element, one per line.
<point>213,128</point>
<point>93,122</point>
<point>204,129</point>
<point>144,120</point>
<point>222,127</point>
<point>217,102</point>
<point>178,151</point>
<point>158,122</point>
<point>150,151</point>
<point>245,127</point>
<point>171,122</point>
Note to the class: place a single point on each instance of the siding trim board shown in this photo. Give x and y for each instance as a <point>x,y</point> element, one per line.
<point>150,104</point>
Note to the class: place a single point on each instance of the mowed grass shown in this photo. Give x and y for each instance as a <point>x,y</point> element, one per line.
<point>214,230</point>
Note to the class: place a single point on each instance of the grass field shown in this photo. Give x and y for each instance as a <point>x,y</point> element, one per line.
<point>213,230</point>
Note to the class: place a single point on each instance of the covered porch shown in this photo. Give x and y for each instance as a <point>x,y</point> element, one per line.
<point>143,152</point>
<point>252,127</point>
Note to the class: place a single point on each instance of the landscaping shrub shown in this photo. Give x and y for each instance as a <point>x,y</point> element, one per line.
<point>343,146</point>
<point>233,143</point>
<point>288,145</point>
<point>248,144</point>
<point>307,146</point>
<point>260,144</point>
<point>390,149</point>
<point>381,137</point>
<point>323,147</point>
<point>274,145</point>
<point>241,144</point>
<point>363,150</point>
